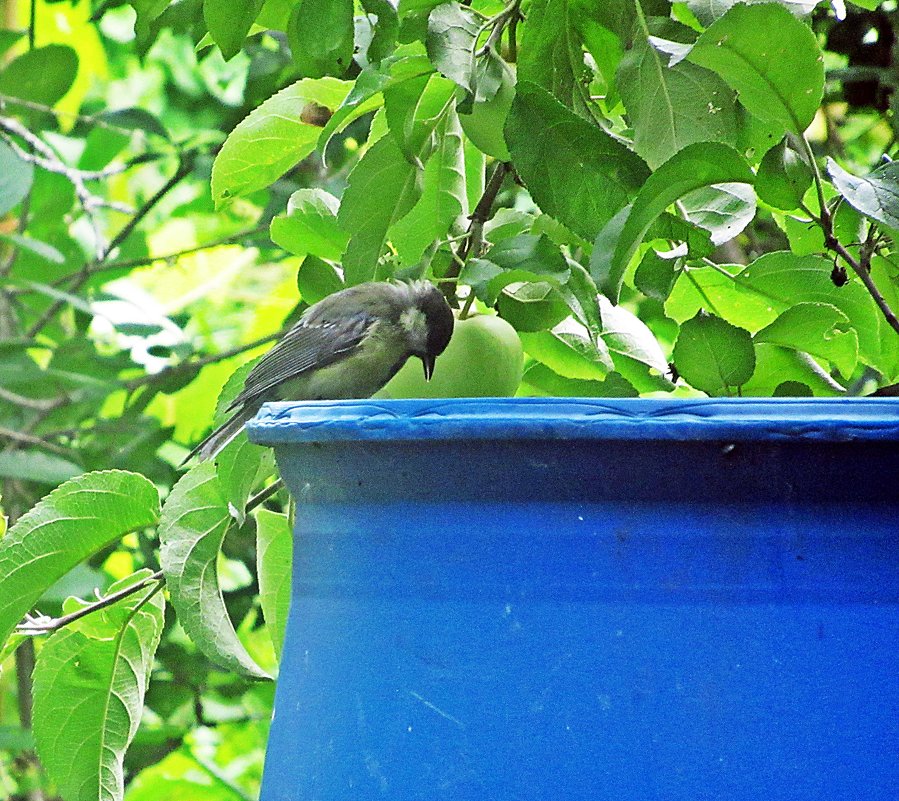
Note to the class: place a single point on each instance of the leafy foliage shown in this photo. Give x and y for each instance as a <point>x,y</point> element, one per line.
<point>690,198</point>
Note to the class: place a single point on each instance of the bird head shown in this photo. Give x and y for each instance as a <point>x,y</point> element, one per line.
<point>428,323</point>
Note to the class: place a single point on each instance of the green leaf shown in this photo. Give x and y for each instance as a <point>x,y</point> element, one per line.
<point>40,249</point>
<point>655,276</point>
<point>672,107</point>
<point>885,274</point>
<point>784,280</point>
<point>8,38</point>
<point>272,139</point>
<point>619,16</point>
<point>635,351</point>
<point>274,557</point>
<point>366,94</point>
<point>241,465</point>
<point>536,254</point>
<point>551,52</point>
<point>16,177</point>
<point>413,109</point>
<point>41,76</point>
<point>713,355</point>
<point>442,198</point>
<point>574,171</point>
<point>875,195</point>
<point>310,225</point>
<point>783,177</point>
<point>229,22</point>
<point>316,279</point>
<point>451,42</point>
<point>44,468</point>
<point>698,165</point>
<point>707,11</point>
<point>381,189</point>
<point>770,58</point>
<point>724,210</point>
<point>543,381</point>
<point>70,524</point>
<point>320,35</point>
<point>532,306</point>
<point>775,366</point>
<point>753,296</point>
<point>820,329</point>
<point>194,522</point>
<point>568,352</point>
<point>89,686</point>
<point>383,42</point>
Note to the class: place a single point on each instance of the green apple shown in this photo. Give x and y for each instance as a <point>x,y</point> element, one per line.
<point>484,125</point>
<point>484,359</point>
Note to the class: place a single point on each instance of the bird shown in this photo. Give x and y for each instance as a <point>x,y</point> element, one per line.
<point>348,345</point>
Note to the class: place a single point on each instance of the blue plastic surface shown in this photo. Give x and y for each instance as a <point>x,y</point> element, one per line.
<point>506,600</point>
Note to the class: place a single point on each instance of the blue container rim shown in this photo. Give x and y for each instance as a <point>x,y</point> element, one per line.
<point>739,419</point>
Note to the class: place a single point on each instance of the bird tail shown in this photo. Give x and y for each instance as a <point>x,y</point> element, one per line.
<point>219,438</point>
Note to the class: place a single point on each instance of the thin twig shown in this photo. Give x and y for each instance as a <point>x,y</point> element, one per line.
<point>109,266</point>
<point>474,235</point>
<point>862,268</point>
<point>46,625</point>
<point>499,23</point>
<point>183,170</point>
<point>44,156</point>
<point>37,404</point>
<point>31,439</point>
<point>262,496</point>
<point>196,364</point>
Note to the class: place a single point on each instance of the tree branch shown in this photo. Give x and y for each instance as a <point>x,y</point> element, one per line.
<point>184,168</point>
<point>108,266</point>
<point>31,439</point>
<point>45,625</point>
<point>196,364</point>
<point>474,236</point>
<point>261,497</point>
<point>861,267</point>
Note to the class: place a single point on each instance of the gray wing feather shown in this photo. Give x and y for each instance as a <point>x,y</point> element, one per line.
<point>308,345</point>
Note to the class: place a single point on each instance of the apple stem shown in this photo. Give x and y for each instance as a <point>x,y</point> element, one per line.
<point>466,309</point>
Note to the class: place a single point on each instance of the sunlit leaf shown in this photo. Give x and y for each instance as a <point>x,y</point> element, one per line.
<point>695,166</point>
<point>574,170</point>
<point>273,138</point>
<point>274,555</point>
<point>193,525</point>
<point>310,225</point>
<point>636,353</point>
<point>70,524</point>
<point>382,188</point>
<point>16,176</point>
<point>714,355</point>
<point>770,58</point>
<point>820,329</point>
<point>89,687</point>
<point>320,34</point>
<point>442,197</point>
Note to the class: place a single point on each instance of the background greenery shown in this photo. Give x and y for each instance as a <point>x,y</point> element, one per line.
<point>680,199</point>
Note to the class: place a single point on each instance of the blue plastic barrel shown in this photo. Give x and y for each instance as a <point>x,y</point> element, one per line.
<point>520,599</point>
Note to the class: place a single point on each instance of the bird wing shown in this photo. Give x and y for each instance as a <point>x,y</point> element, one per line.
<point>307,346</point>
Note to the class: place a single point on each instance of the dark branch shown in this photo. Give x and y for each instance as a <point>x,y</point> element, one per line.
<point>46,625</point>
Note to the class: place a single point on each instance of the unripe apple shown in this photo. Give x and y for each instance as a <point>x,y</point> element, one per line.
<point>484,359</point>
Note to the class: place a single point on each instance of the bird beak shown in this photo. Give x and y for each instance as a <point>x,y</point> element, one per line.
<point>428,363</point>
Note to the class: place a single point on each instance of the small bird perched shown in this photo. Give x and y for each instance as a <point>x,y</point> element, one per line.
<point>348,345</point>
